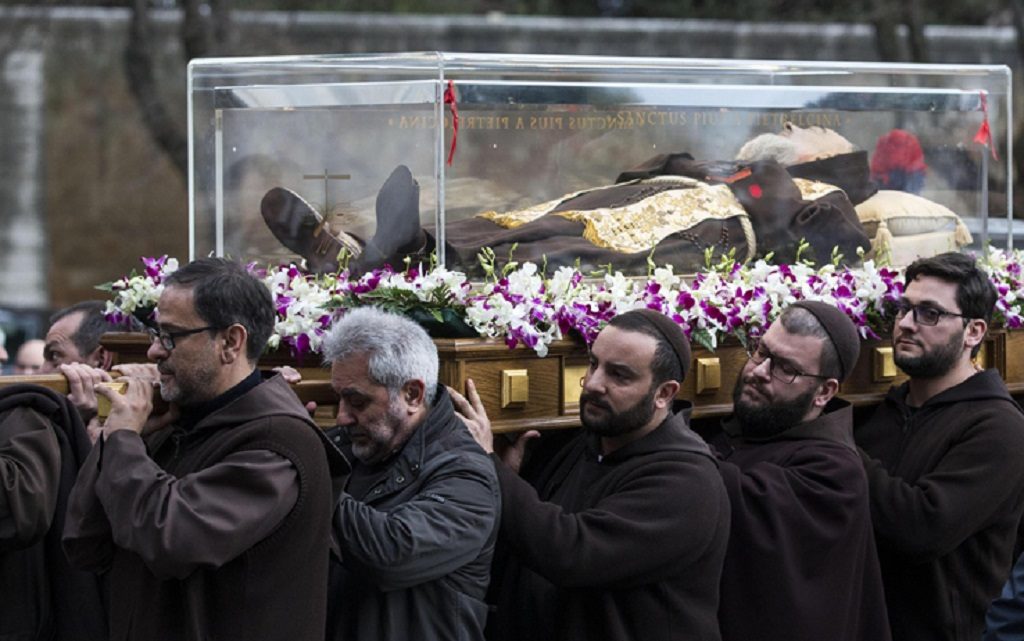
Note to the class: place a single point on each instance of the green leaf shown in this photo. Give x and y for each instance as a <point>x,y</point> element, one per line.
<point>703,338</point>
<point>741,334</point>
<point>837,256</point>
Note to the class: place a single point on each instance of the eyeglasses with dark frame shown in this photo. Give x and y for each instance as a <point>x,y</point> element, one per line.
<point>781,370</point>
<point>167,338</point>
<point>923,314</point>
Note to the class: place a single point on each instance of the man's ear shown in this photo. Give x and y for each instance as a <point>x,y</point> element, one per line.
<point>826,392</point>
<point>414,393</point>
<point>974,333</point>
<point>666,394</point>
<point>235,338</point>
<point>101,357</point>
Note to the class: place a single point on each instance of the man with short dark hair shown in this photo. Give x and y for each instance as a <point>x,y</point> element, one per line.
<point>801,563</point>
<point>218,525</point>
<point>942,454</point>
<point>72,347</point>
<point>74,336</point>
<point>624,532</point>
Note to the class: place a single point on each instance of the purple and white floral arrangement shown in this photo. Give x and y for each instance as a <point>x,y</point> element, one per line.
<point>523,306</point>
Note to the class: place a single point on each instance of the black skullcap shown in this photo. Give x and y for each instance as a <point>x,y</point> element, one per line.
<point>671,332</point>
<point>841,331</point>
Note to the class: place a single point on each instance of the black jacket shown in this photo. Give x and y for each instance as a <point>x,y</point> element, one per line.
<point>417,539</point>
<point>947,483</point>
<point>627,546</point>
<point>42,444</point>
<point>802,563</point>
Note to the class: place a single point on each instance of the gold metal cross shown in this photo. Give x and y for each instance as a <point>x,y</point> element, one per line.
<point>326,177</point>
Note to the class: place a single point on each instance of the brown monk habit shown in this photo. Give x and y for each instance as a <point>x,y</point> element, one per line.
<point>778,213</point>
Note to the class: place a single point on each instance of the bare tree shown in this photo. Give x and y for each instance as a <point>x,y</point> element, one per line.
<point>205,29</point>
<point>886,38</point>
<point>915,30</point>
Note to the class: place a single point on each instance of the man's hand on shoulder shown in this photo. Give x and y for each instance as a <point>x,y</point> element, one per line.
<point>293,377</point>
<point>471,410</point>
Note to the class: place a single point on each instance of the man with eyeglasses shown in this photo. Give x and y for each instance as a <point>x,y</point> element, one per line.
<point>801,563</point>
<point>943,459</point>
<point>217,525</point>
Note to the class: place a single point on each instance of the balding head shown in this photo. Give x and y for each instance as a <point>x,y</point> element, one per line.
<point>795,145</point>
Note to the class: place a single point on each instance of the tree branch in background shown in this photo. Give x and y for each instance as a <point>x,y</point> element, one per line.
<point>886,39</point>
<point>915,28</point>
<point>195,32</point>
<point>139,69</point>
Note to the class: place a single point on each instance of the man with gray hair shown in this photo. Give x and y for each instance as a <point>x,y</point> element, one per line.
<point>417,522</point>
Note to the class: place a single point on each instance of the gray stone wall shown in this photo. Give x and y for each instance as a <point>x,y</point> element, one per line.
<point>86,191</point>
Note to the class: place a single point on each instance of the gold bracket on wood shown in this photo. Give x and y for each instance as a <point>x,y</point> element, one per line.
<point>883,367</point>
<point>515,387</point>
<point>709,375</point>
<point>572,383</point>
<point>102,403</point>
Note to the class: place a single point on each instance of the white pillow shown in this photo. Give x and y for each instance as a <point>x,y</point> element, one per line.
<point>903,250</point>
<point>905,214</point>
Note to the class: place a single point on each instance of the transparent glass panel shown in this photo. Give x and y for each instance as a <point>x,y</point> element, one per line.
<point>527,134</point>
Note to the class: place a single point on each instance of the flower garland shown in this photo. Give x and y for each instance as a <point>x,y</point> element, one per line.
<point>136,295</point>
<point>522,306</point>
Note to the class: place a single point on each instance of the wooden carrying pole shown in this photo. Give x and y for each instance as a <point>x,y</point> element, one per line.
<point>318,391</point>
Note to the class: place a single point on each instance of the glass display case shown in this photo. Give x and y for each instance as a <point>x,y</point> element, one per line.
<point>592,161</point>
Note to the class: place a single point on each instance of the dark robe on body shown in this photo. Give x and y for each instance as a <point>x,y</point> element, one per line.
<point>801,563</point>
<point>624,546</point>
<point>779,215</point>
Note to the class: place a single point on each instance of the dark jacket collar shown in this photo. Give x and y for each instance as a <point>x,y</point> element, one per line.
<point>834,424</point>
<point>272,397</point>
<point>192,415</point>
<point>408,462</point>
<point>439,421</point>
<point>985,385</point>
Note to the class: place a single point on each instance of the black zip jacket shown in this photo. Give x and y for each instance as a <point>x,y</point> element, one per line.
<point>946,483</point>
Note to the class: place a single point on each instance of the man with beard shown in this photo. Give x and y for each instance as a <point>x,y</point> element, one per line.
<point>801,563</point>
<point>217,526</point>
<point>942,455</point>
<point>622,535</point>
<point>417,522</point>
